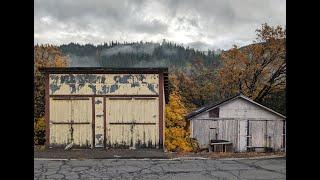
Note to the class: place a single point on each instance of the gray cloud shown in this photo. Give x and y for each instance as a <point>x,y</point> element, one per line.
<point>155,26</point>
<point>202,24</point>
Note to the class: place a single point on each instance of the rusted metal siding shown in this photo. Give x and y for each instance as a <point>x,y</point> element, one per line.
<point>104,84</point>
<point>70,120</point>
<point>132,122</point>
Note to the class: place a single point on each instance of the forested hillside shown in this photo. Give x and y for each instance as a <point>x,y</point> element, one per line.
<point>136,54</point>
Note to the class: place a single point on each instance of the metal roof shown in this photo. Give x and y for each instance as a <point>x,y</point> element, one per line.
<point>219,103</point>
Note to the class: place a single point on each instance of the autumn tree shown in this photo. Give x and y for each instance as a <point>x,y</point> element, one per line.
<point>177,130</point>
<point>44,56</point>
<point>197,84</point>
<point>256,70</point>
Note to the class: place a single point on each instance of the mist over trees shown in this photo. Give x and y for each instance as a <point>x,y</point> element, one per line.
<point>136,54</point>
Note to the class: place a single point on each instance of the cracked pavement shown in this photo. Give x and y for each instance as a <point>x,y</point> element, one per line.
<point>160,169</point>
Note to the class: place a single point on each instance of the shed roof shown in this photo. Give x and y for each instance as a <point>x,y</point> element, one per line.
<point>219,103</point>
<point>101,70</point>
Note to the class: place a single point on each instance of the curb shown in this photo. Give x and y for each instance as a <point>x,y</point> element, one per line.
<point>130,159</point>
<point>252,158</point>
<point>163,159</point>
<point>52,159</point>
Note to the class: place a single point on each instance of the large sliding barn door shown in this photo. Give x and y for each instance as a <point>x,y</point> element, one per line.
<point>132,122</point>
<point>71,120</point>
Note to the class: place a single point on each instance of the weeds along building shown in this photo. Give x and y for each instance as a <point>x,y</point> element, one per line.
<point>105,107</point>
<point>245,123</point>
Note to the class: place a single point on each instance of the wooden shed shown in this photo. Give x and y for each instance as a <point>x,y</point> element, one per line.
<point>245,123</point>
<point>105,107</point>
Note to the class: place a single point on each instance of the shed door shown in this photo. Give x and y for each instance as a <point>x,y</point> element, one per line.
<point>132,122</point>
<point>243,125</point>
<point>71,120</point>
<point>258,133</point>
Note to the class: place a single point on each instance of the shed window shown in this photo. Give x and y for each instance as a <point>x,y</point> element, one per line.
<point>214,113</point>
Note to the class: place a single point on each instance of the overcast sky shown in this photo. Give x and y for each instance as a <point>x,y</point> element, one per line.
<point>202,24</point>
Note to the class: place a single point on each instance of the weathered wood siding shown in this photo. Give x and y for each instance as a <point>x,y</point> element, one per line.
<point>103,84</point>
<point>240,108</point>
<point>99,121</point>
<point>132,122</point>
<point>105,120</point>
<point>274,132</point>
<point>242,136</point>
<point>257,132</point>
<point>64,112</point>
<point>225,129</point>
<point>265,128</point>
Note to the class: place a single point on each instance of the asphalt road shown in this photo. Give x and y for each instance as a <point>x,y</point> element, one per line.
<point>160,169</point>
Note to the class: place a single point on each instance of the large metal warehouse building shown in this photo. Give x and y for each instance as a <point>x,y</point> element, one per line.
<point>105,107</point>
<point>241,121</point>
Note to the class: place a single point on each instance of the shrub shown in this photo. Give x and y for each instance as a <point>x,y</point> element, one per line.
<point>39,131</point>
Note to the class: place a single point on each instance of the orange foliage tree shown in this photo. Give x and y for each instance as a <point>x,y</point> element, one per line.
<point>258,69</point>
<point>197,84</point>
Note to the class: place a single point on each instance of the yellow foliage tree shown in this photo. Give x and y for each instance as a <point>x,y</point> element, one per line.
<point>177,130</point>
